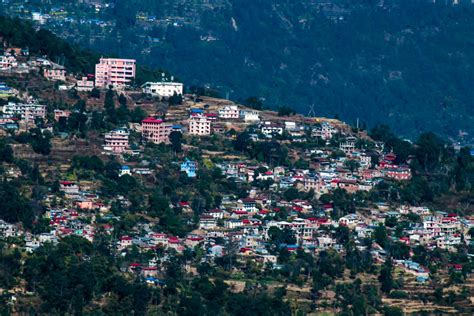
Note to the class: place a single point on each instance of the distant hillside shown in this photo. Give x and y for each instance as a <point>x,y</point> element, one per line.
<point>16,32</point>
<point>21,33</point>
<point>405,63</point>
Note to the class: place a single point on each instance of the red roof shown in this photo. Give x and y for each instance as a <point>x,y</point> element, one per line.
<point>152,120</point>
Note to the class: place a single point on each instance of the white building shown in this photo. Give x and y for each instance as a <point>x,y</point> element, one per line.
<point>250,116</point>
<point>229,112</point>
<point>271,128</point>
<point>163,89</point>
<point>27,112</point>
<point>84,84</point>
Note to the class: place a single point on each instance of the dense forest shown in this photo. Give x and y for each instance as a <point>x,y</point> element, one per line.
<point>346,58</point>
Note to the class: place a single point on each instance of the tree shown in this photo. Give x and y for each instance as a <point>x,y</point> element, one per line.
<point>286,111</point>
<point>6,152</point>
<point>176,139</point>
<point>386,277</point>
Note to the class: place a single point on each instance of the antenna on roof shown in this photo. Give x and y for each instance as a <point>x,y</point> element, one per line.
<point>311,112</point>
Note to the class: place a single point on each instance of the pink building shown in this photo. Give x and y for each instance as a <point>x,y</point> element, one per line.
<point>156,130</point>
<point>114,71</point>
<point>200,126</point>
<point>55,73</point>
<point>116,141</point>
<point>61,113</point>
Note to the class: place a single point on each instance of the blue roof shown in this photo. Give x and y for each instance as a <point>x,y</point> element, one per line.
<point>125,168</point>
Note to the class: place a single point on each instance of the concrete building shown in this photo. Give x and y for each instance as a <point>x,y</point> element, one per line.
<point>250,115</point>
<point>84,84</point>
<point>200,126</point>
<point>116,141</point>
<point>28,112</point>
<point>156,130</point>
<point>163,89</point>
<point>114,71</point>
<point>8,62</point>
<point>229,112</point>
<point>56,72</point>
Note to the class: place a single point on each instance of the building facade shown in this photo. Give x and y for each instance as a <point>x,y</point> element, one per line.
<point>163,89</point>
<point>27,112</point>
<point>116,141</point>
<point>116,72</point>
<point>199,126</point>
<point>156,130</point>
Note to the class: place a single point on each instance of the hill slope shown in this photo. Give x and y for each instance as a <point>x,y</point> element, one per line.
<point>405,63</point>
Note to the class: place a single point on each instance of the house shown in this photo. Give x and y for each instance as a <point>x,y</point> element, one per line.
<point>61,113</point>
<point>116,141</point>
<point>7,62</point>
<point>125,170</point>
<point>190,167</point>
<point>116,72</point>
<point>248,205</point>
<point>156,130</point>
<point>68,187</point>
<point>326,131</point>
<point>348,145</point>
<point>271,128</point>
<point>163,89</point>
<point>229,112</point>
<point>199,126</point>
<point>401,173</point>
<point>207,222</point>
<point>250,116</point>
<point>55,72</point>
<point>28,112</point>
<point>84,84</point>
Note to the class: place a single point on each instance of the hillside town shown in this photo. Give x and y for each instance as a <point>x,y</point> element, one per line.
<point>161,173</point>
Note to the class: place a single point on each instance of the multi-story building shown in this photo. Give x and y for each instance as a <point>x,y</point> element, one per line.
<point>348,146</point>
<point>116,72</point>
<point>116,141</point>
<point>55,73</point>
<point>229,112</point>
<point>27,112</point>
<point>269,128</point>
<point>163,89</point>
<point>325,131</point>
<point>200,126</point>
<point>156,130</point>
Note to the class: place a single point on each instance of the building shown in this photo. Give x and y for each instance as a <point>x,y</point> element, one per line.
<point>326,131</point>
<point>56,72</point>
<point>84,84</point>
<point>229,112</point>
<point>163,89</point>
<point>8,62</point>
<point>250,116</point>
<point>116,141</point>
<point>271,128</point>
<point>200,126</point>
<point>116,72</point>
<point>28,112</point>
<point>156,130</point>
<point>348,146</point>
<point>61,113</point>
<point>190,167</point>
